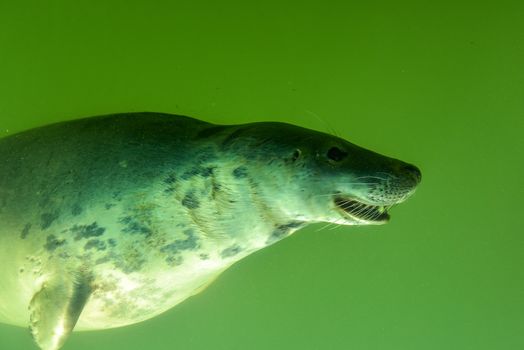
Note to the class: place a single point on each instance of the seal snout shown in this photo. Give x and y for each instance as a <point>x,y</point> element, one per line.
<point>411,171</point>
<point>391,184</point>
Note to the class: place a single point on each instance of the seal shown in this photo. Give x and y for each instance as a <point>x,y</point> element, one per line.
<point>109,221</point>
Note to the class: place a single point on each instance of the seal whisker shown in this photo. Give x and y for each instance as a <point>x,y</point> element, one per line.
<point>324,227</point>
<point>336,225</point>
<point>362,209</point>
<point>331,130</point>
<point>356,183</point>
<point>388,175</point>
<point>372,177</point>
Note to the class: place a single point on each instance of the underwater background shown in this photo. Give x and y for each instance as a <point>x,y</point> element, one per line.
<point>439,84</point>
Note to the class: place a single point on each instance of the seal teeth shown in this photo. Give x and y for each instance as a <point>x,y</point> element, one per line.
<point>361,210</point>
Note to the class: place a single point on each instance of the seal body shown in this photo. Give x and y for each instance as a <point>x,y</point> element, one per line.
<point>111,220</point>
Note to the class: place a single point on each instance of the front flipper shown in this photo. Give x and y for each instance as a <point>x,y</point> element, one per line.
<point>55,309</point>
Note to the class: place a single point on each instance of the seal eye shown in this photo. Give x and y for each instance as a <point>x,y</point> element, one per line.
<point>336,154</point>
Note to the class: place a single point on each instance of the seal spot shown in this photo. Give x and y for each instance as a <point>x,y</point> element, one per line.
<point>134,226</point>
<point>95,244</point>
<point>25,231</point>
<point>52,243</point>
<point>76,209</point>
<point>48,219</point>
<point>240,172</point>
<point>169,190</point>
<point>103,260</point>
<point>215,188</point>
<point>207,172</point>
<point>190,201</point>
<point>130,262</point>
<point>126,220</point>
<point>198,171</point>
<point>189,243</point>
<point>174,249</point>
<point>282,231</point>
<point>87,231</point>
<point>190,173</point>
<point>117,195</point>
<point>231,251</point>
<point>206,155</point>
<point>174,260</point>
<point>170,182</point>
<point>171,179</point>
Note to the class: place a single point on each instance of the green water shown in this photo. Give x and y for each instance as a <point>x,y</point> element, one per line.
<point>438,84</point>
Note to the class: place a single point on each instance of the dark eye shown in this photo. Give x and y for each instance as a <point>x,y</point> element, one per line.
<point>336,154</point>
<point>296,155</point>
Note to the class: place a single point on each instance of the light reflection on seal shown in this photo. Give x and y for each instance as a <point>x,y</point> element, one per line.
<point>111,220</point>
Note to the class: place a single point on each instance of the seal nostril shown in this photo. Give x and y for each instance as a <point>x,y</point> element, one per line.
<point>413,170</point>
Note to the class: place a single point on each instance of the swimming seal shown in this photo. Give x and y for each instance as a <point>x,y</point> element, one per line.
<point>111,220</point>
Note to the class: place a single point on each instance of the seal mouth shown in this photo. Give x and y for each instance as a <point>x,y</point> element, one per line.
<point>363,212</point>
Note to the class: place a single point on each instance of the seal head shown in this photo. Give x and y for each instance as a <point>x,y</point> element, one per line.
<point>314,177</point>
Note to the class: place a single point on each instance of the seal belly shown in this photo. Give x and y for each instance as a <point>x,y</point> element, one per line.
<point>16,291</point>
<point>122,299</point>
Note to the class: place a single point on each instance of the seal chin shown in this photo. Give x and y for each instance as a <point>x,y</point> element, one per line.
<point>363,213</point>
